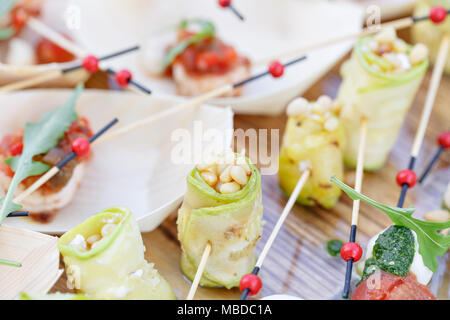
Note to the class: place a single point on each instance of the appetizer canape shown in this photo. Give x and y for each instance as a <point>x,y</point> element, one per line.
<point>59,190</point>
<point>104,259</point>
<point>428,32</point>
<point>314,138</point>
<point>222,207</point>
<point>401,260</point>
<point>18,50</point>
<point>198,61</point>
<point>379,83</point>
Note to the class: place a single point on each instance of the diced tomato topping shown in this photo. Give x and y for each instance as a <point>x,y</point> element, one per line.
<point>48,52</point>
<point>206,60</point>
<point>16,148</point>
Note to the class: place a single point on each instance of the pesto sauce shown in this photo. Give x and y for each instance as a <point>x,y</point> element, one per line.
<point>334,247</point>
<point>394,250</point>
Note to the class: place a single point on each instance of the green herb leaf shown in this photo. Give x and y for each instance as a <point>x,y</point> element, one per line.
<point>207,30</point>
<point>334,247</point>
<point>10,263</point>
<point>431,243</point>
<point>36,169</point>
<point>6,33</point>
<point>39,138</point>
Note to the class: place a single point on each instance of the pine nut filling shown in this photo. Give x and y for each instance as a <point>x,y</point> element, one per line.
<point>226,174</point>
<point>85,244</point>
<point>394,52</point>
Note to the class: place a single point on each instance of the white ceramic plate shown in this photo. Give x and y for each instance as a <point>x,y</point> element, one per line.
<point>52,14</point>
<point>271,27</point>
<point>135,170</point>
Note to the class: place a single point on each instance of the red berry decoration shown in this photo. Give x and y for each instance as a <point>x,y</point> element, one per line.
<point>351,250</point>
<point>224,3</point>
<point>251,282</point>
<point>276,69</point>
<point>406,177</point>
<point>123,77</point>
<point>438,14</point>
<point>444,140</point>
<point>90,63</point>
<point>81,147</point>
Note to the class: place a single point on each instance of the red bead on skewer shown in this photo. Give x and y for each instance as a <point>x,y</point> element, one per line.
<point>123,77</point>
<point>224,3</point>
<point>81,147</point>
<point>444,140</point>
<point>351,250</point>
<point>438,14</point>
<point>407,177</point>
<point>90,63</point>
<point>251,282</point>
<point>276,69</point>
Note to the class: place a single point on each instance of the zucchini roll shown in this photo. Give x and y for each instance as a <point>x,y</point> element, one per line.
<point>379,83</point>
<point>222,206</point>
<point>104,259</point>
<point>429,33</point>
<point>314,139</point>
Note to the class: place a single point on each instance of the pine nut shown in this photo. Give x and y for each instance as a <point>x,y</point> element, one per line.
<point>418,53</point>
<point>225,175</point>
<point>386,36</point>
<point>229,187</point>
<point>92,239</point>
<point>298,106</point>
<point>238,174</point>
<point>241,162</point>
<point>209,177</point>
<point>107,229</point>
<point>325,101</point>
<point>331,124</point>
<point>437,216</point>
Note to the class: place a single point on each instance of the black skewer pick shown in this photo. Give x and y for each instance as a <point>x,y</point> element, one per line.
<point>18,214</point>
<point>444,143</point>
<point>229,5</point>
<point>130,81</point>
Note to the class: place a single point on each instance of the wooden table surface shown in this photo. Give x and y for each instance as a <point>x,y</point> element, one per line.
<point>298,263</point>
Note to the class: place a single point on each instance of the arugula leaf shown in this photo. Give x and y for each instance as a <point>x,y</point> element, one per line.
<point>431,243</point>
<point>39,138</point>
<point>207,30</point>
<point>36,169</point>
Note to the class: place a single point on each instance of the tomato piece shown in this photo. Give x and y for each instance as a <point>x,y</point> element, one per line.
<point>229,55</point>
<point>16,148</point>
<point>206,60</point>
<point>48,52</point>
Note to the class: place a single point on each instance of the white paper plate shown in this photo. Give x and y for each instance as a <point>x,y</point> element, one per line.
<point>134,170</point>
<point>52,14</point>
<point>271,27</point>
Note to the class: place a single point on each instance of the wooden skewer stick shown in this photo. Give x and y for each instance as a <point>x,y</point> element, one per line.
<point>200,269</point>
<point>41,78</point>
<point>396,24</point>
<point>69,46</point>
<point>298,188</point>
<point>428,107</point>
<point>356,203</point>
<point>55,37</point>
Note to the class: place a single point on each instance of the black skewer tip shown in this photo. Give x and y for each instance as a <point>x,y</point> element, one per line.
<point>128,81</point>
<point>18,214</point>
<point>431,164</point>
<point>245,293</point>
<point>236,12</point>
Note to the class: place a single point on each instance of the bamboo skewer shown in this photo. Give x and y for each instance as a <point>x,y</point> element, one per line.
<point>356,203</point>
<point>41,78</point>
<point>428,107</point>
<point>200,269</point>
<point>287,209</point>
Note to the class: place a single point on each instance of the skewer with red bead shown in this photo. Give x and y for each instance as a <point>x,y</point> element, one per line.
<point>124,78</point>
<point>250,284</point>
<point>229,5</point>
<point>436,15</point>
<point>90,63</point>
<point>80,148</point>
<point>444,144</point>
<point>407,178</point>
<point>351,251</point>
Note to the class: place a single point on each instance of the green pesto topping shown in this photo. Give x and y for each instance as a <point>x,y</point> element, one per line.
<point>334,247</point>
<point>394,250</point>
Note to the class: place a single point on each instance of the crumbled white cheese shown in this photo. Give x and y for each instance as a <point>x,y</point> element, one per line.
<point>137,274</point>
<point>331,124</point>
<point>304,165</point>
<point>121,292</point>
